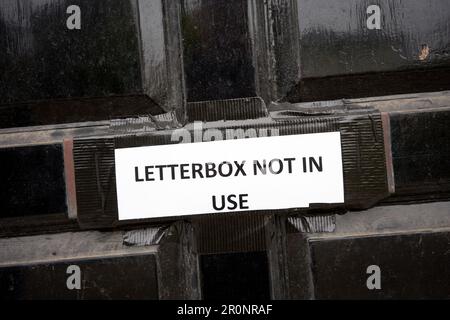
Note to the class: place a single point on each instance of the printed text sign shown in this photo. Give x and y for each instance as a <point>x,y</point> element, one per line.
<point>235,175</point>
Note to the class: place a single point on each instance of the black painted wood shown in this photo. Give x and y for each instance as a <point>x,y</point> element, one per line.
<point>32,181</point>
<point>335,39</point>
<point>114,66</point>
<point>178,262</point>
<point>240,276</point>
<point>421,153</point>
<point>413,266</point>
<point>138,57</point>
<point>44,59</point>
<point>132,277</point>
<point>340,57</point>
<point>352,86</point>
<point>217,50</point>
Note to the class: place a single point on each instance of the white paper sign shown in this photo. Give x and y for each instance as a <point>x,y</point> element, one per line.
<point>225,176</point>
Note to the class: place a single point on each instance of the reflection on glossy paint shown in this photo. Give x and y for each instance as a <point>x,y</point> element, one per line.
<point>217,50</point>
<point>335,39</point>
<point>45,60</point>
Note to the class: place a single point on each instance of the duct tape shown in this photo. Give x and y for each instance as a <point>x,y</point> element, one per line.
<point>362,146</point>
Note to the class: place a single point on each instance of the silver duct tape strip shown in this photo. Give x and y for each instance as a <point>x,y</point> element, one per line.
<point>144,237</point>
<point>140,124</point>
<point>226,110</point>
<point>145,124</point>
<point>314,224</point>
